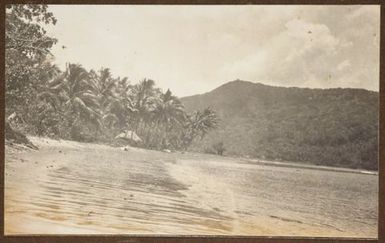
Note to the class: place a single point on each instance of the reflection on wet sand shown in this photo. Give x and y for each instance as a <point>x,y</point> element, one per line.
<point>69,187</point>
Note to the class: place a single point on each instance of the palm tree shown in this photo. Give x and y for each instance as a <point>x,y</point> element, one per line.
<point>103,84</point>
<point>168,114</point>
<point>47,105</point>
<point>120,107</point>
<point>79,96</point>
<point>48,74</point>
<point>144,97</point>
<point>198,125</point>
<point>204,121</point>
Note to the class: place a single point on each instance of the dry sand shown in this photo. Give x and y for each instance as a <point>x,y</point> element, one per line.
<point>78,188</point>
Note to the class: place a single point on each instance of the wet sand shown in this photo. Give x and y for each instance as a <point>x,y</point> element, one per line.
<point>77,188</point>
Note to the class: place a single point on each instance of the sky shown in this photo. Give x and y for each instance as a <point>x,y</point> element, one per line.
<point>195,49</point>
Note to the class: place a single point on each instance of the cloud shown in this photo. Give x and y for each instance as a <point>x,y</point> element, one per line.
<point>309,52</point>
<point>202,47</point>
<point>311,38</point>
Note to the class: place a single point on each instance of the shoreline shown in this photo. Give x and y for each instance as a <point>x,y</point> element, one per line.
<point>287,164</point>
<point>93,188</point>
<point>313,167</point>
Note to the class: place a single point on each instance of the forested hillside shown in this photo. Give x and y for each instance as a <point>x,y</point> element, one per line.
<point>333,127</point>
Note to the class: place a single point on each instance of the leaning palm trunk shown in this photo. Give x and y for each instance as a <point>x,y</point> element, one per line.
<point>164,136</point>
<point>150,129</point>
<point>164,140</point>
<point>136,128</point>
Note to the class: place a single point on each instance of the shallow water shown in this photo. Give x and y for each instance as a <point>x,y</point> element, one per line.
<point>67,188</point>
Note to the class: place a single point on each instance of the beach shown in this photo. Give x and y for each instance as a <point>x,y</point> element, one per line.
<point>68,187</point>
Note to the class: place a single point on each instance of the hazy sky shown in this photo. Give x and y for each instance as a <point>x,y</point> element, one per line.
<point>194,49</point>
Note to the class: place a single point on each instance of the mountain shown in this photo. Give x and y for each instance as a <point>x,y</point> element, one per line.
<point>331,127</point>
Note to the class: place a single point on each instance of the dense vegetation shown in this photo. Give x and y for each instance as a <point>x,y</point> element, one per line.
<point>337,127</point>
<point>334,127</point>
<point>86,105</point>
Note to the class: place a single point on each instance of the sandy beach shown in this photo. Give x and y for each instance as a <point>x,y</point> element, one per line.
<point>68,187</point>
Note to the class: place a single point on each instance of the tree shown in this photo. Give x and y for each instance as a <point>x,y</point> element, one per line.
<point>120,107</point>
<point>168,114</point>
<point>81,103</point>
<point>48,116</point>
<point>104,85</point>
<point>74,102</point>
<point>144,96</point>
<point>26,48</point>
<point>198,125</point>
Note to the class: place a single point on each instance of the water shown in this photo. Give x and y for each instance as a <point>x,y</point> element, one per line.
<point>69,188</point>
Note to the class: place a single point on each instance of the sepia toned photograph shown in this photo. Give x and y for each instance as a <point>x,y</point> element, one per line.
<point>210,120</point>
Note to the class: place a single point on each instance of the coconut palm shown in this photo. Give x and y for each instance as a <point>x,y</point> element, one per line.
<point>199,124</point>
<point>47,75</point>
<point>144,97</point>
<point>104,85</point>
<point>45,110</point>
<point>79,96</point>
<point>120,107</point>
<point>168,114</point>
<point>204,121</point>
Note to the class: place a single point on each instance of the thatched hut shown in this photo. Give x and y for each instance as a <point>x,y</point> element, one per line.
<point>129,137</point>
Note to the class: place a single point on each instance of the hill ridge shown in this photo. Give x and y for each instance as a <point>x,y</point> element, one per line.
<point>260,84</point>
<point>333,127</point>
